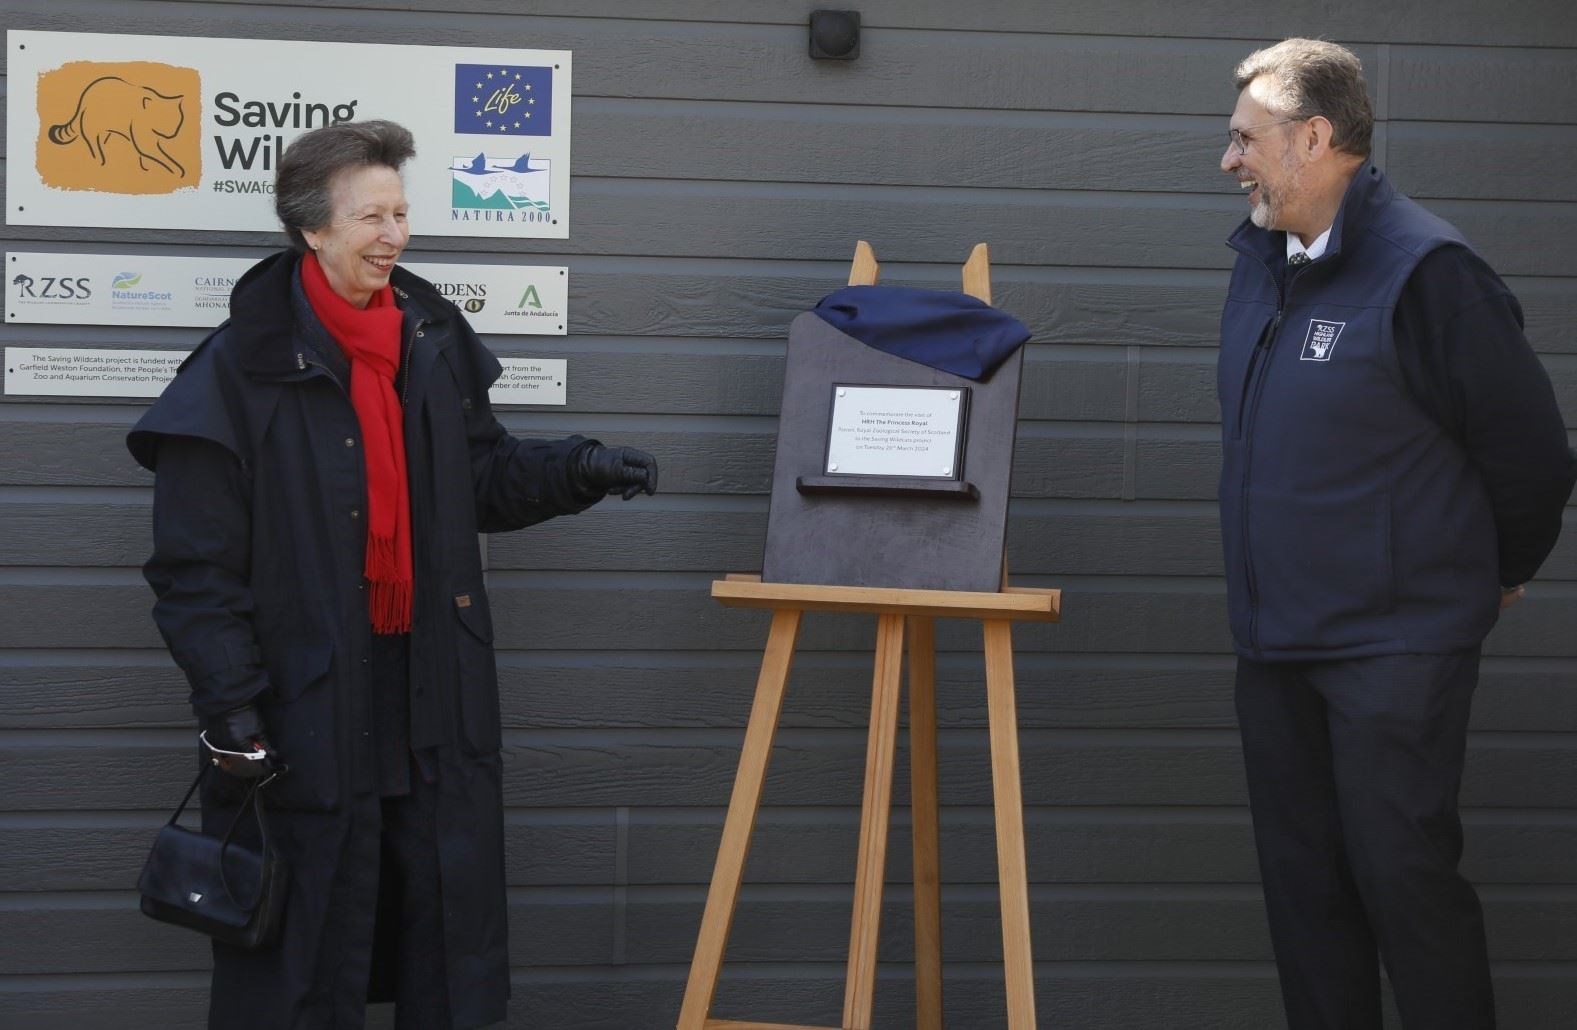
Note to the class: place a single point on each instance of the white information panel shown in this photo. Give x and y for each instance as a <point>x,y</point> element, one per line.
<point>531,381</point>
<point>158,290</point>
<point>86,372</point>
<point>90,372</point>
<point>894,431</point>
<point>178,132</point>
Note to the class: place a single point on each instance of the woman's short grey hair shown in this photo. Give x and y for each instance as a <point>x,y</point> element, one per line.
<point>301,186</point>
<point>1309,77</point>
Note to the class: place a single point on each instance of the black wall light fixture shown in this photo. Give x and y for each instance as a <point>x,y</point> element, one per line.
<point>834,35</point>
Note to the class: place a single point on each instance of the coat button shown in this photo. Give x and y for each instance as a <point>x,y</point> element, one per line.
<point>350,441</point>
<point>466,404</point>
<point>355,513</point>
<point>420,334</point>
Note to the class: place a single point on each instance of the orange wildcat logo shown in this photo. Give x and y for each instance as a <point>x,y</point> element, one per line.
<point>120,127</point>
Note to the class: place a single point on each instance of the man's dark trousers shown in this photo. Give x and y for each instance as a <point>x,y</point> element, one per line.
<point>1353,771</point>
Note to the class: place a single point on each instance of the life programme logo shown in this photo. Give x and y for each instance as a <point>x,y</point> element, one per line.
<point>503,100</point>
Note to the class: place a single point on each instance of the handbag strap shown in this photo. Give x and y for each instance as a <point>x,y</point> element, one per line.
<point>189,792</point>
<point>253,800</point>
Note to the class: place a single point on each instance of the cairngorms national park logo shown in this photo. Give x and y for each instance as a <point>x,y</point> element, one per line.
<point>129,127</point>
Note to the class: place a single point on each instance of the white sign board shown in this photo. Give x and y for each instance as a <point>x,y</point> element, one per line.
<point>85,372</point>
<point>89,372</point>
<point>159,290</point>
<point>173,132</point>
<point>531,381</point>
<point>894,431</point>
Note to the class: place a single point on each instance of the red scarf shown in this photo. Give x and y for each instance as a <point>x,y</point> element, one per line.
<point>370,338</point>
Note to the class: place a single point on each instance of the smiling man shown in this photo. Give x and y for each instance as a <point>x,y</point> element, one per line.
<point>1394,469</point>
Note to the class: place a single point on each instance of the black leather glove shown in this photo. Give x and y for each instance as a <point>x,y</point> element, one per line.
<point>239,730</point>
<point>596,471</point>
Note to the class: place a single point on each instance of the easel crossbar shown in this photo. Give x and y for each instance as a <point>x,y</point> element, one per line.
<point>1014,604</point>
<point>735,1024</point>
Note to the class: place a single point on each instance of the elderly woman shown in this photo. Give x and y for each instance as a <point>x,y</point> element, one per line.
<point>324,463</point>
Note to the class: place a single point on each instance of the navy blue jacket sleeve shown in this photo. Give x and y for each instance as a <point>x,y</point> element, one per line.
<point>200,571</point>
<point>1464,358</point>
<point>518,482</point>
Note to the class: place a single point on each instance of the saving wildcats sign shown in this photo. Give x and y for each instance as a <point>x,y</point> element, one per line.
<point>186,133</point>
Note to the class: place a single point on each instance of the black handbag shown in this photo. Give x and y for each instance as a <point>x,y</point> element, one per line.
<point>213,885</point>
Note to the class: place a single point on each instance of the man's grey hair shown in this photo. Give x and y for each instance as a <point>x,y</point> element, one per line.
<point>1309,77</point>
<point>301,186</point>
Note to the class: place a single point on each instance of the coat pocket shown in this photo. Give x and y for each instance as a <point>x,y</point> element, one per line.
<point>1323,568</point>
<point>477,674</point>
<point>301,719</point>
<point>294,668</point>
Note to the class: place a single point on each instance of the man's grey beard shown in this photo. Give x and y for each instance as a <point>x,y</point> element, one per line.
<point>1260,213</point>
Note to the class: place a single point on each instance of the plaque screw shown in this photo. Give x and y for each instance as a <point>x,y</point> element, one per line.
<point>952,396</point>
<point>843,393</point>
<point>833,467</point>
<point>946,469</point>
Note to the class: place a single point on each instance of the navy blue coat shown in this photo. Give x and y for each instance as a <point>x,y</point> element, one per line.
<point>261,596</point>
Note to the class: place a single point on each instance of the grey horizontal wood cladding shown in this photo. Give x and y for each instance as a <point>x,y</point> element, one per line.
<point>1093,996</point>
<point>816,768</point>
<point>667,611</point>
<point>1546,22</point>
<point>581,847</point>
<point>630,690</point>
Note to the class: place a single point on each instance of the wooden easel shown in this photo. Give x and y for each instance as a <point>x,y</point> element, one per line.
<point>899,613</point>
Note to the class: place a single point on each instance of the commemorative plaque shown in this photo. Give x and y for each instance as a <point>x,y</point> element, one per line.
<point>894,431</point>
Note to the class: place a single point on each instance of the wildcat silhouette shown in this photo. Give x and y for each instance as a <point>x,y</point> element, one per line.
<point>111,106</point>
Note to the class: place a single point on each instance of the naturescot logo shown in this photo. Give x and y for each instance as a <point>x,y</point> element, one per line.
<point>129,127</point>
<point>500,189</point>
<point>503,100</point>
<point>125,295</point>
<point>1321,339</point>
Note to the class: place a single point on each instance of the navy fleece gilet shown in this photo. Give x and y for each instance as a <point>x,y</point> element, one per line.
<point>1352,523</point>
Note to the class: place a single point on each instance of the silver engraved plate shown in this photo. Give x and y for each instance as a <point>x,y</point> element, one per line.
<point>895,431</point>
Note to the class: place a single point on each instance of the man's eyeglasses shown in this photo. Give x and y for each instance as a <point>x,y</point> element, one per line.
<point>1236,137</point>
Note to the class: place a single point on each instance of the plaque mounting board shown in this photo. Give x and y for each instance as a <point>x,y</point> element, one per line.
<point>887,531</point>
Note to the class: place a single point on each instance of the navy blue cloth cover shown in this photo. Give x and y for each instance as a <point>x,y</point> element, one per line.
<point>951,332</point>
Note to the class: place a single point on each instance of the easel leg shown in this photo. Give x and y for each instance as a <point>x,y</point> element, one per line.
<point>870,871</point>
<point>1011,871</point>
<point>742,806</point>
<point>923,815</point>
